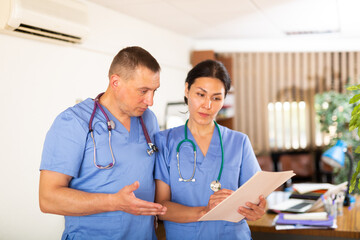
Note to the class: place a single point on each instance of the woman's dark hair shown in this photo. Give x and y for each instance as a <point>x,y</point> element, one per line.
<point>209,68</point>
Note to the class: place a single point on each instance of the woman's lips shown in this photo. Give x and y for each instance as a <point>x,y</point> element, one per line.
<point>204,114</point>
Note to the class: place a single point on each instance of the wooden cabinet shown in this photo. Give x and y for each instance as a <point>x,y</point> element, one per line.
<point>226,122</point>
<point>199,56</point>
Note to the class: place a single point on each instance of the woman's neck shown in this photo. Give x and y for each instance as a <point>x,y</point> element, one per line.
<point>201,129</point>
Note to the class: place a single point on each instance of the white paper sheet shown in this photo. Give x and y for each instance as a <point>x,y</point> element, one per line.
<point>309,187</point>
<point>262,183</point>
<point>307,216</point>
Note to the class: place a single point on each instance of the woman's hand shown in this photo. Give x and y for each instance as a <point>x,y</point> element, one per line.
<point>216,198</point>
<point>253,212</point>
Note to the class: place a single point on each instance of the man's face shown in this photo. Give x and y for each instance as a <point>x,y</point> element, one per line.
<point>136,94</point>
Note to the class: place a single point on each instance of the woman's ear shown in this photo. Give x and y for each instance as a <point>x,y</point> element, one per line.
<point>186,90</point>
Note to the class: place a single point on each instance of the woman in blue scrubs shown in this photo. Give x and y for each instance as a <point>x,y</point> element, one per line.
<point>183,183</point>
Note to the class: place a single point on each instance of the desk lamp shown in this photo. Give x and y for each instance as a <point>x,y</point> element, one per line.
<point>335,157</point>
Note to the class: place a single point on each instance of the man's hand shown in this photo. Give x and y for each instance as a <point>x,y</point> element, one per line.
<point>126,201</point>
<point>253,212</point>
<point>56,197</point>
<point>216,198</point>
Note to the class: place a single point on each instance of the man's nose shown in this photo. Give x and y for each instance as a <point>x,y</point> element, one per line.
<point>149,99</point>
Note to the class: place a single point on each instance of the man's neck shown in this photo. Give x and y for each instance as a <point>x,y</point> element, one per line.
<point>109,101</point>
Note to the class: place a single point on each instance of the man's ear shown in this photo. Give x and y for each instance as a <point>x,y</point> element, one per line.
<point>186,90</point>
<point>114,81</point>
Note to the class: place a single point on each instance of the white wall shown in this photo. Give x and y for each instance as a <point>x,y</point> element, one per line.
<point>40,79</point>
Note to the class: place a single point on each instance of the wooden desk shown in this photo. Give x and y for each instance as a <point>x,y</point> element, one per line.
<point>348,225</point>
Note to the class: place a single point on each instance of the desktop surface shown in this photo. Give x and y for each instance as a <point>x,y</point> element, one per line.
<point>348,225</point>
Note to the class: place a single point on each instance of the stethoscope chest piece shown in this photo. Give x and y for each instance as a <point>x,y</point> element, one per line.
<point>152,149</point>
<point>215,185</point>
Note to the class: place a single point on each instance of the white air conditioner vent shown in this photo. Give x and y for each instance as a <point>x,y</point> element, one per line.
<point>64,20</point>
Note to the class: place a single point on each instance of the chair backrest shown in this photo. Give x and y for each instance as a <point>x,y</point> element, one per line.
<point>302,164</point>
<point>266,163</point>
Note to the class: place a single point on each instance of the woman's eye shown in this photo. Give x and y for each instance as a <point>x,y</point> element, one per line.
<point>200,94</point>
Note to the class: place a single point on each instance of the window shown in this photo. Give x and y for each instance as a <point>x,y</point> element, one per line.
<point>287,125</point>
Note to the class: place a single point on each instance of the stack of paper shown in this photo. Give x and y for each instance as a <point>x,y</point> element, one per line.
<point>311,187</point>
<point>310,190</point>
<point>304,220</point>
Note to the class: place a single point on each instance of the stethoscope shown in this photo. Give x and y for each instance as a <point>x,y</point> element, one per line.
<point>214,185</point>
<point>110,126</point>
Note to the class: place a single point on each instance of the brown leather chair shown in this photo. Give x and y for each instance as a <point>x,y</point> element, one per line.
<point>266,163</point>
<point>302,164</point>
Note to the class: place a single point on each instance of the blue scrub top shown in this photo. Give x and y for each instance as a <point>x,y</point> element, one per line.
<point>240,164</point>
<point>69,149</point>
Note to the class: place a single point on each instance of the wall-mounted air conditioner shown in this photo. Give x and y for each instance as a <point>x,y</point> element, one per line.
<point>64,20</point>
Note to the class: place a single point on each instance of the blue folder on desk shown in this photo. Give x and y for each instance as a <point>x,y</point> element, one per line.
<point>321,223</point>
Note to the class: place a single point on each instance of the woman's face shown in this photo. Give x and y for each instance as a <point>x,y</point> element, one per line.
<point>205,99</point>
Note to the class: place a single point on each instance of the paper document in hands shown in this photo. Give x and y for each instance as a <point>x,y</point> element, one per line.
<point>262,183</point>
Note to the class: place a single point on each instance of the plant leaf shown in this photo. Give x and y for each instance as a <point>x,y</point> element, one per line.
<point>355,110</point>
<point>354,99</point>
<point>352,88</point>
<point>357,150</point>
<point>353,178</point>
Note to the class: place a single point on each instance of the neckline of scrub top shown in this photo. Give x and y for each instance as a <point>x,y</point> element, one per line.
<point>214,150</point>
<point>132,135</point>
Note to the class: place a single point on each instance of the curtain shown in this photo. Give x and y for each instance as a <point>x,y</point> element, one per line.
<point>275,92</point>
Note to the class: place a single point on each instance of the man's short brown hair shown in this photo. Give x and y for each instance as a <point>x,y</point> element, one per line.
<point>128,59</point>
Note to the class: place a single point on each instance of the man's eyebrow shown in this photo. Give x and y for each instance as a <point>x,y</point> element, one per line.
<point>147,88</point>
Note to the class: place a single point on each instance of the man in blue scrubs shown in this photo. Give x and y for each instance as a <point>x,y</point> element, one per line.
<point>112,203</point>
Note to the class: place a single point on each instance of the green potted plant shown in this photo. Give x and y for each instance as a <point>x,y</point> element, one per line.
<point>353,125</point>
<point>333,113</point>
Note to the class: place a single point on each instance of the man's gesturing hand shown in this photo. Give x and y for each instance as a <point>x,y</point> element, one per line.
<point>126,201</point>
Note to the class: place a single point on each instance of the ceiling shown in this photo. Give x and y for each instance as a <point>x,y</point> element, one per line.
<point>234,19</point>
